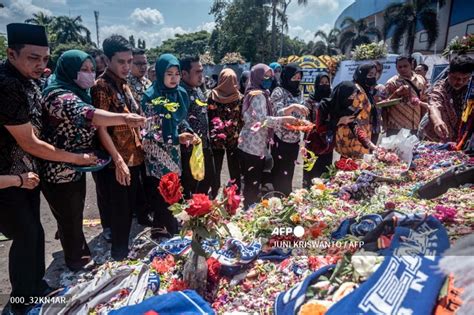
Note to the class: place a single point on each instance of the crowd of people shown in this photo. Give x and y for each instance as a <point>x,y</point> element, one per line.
<point>149,118</point>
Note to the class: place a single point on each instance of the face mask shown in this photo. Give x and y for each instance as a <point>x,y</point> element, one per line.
<point>85,80</point>
<point>371,81</point>
<point>324,90</point>
<point>266,84</point>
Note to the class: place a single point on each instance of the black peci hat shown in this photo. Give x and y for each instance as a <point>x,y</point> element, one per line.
<point>26,34</point>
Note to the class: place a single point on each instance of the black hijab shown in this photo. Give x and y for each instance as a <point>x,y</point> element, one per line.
<point>286,74</point>
<point>320,93</point>
<point>338,105</point>
<point>243,80</point>
<point>360,77</point>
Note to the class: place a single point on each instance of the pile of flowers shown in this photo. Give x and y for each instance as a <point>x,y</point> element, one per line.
<point>207,59</point>
<point>460,45</point>
<point>374,187</point>
<point>232,58</point>
<point>370,51</point>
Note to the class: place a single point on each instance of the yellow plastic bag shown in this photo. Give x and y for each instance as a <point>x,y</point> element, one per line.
<point>196,163</point>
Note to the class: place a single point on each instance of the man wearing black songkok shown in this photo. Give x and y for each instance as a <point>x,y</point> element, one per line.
<point>20,124</point>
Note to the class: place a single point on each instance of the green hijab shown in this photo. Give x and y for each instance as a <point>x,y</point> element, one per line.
<point>177,94</point>
<point>67,67</point>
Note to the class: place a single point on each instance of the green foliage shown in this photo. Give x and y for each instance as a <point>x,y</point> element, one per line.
<point>242,27</point>
<point>59,49</point>
<point>182,44</point>
<point>328,41</point>
<point>3,47</point>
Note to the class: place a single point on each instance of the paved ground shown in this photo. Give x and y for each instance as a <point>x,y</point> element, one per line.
<point>54,255</point>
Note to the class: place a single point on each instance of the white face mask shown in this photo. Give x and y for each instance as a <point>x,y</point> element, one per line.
<point>85,80</point>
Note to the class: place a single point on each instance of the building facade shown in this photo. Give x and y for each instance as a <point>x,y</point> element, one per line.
<point>456,18</point>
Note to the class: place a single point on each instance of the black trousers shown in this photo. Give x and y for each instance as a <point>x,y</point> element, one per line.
<point>123,201</point>
<point>101,189</point>
<point>67,205</point>
<point>284,157</point>
<point>319,168</point>
<point>162,216</point>
<point>233,164</point>
<point>190,185</point>
<point>20,221</point>
<point>142,206</point>
<point>252,173</point>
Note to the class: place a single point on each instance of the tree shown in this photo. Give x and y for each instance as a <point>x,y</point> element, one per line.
<point>241,26</point>
<point>329,40</point>
<point>316,48</point>
<point>40,18</point>
<point>357,33</point>
<point>131,39</point>
<point>284,19</point>
<point>182,44</point>
<point>3,47</point>
<point>403,18</point>
<point>66,30</point>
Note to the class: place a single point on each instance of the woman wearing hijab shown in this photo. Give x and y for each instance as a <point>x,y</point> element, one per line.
<point>225,123</point>
<point>337,123</point>
<point>277,69</point>
<point>286,100</point>
<point>69,123</point>
<point>353,124</point>
<point>255,136</point>
<point>322,89</point>
<point>165,105</point>
<point>244,80</point>
<point>365,77</point>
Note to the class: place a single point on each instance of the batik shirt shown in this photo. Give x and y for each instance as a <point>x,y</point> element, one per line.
<point>353,141</point>
<point>112,94</point>
<point>19,104</point>
<point>161,157</point>
<point>281,98</point>
<point>138,86</point>
<point>68,126</point>
<point>225,123</point>
<point>197,114</point>
<point>407,114</point>
<point>449,105</point>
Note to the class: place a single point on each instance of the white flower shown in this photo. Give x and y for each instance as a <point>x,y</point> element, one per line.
<point>275,203</point>
<point>317,181</point>
<point>365,263</point>
<point>316,191</point>
<point>183,216</point>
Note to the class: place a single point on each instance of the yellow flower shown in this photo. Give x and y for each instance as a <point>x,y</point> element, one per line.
<point>163,101</point>
<point>265,203</point>
<point>171,107</point>
<point>202,104</point>
<point>295,218</point>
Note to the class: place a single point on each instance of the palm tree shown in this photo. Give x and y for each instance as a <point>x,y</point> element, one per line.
<point>69,29</point>
<point>40,18</point>
<point>357,33</point>
<point>329,40</point>
<point>284,19</point>
<point>403,19</point>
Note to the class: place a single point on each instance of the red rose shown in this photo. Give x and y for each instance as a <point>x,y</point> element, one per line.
<point>170,188</point>
<point>213,268</point>
<point>233,199</point>
<point>199,205</point>
<point>177,285</point>
<point>346,165</point>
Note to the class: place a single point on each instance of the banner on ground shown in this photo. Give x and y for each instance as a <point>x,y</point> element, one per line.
<point>347,68</point>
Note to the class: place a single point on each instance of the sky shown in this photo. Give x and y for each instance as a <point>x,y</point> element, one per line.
<point>158,20</point>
